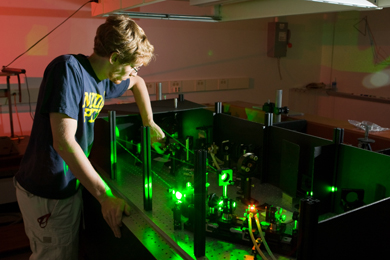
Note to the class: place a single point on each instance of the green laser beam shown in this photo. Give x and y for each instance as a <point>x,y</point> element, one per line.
<point>118,139</point>
<point>178,141</point>
<point>155,174</point>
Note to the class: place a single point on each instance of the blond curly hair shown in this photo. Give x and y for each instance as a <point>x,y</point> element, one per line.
<point>122,35</point>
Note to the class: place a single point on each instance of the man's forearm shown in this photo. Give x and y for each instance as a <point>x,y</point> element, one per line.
<point>141,96</point>
<point>82,169</point>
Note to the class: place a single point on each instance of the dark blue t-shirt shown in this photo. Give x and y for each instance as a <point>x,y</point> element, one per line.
<point>69,86</point>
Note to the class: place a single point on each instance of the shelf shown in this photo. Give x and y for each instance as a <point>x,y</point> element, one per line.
<point>358,97</point>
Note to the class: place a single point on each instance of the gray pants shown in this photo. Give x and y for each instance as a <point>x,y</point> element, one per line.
<point>51,225</point>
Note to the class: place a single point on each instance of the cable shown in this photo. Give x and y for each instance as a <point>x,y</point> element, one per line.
<point>262,237</point>
<point>215,161</point>
<point>279,69</point>
<point>47,34</point>
<point>253,239</point>
<point>376,51</point>
<point>29,96</point>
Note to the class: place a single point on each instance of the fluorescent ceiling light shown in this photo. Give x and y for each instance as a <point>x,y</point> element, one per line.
<point>177,17</point>
<point>357,3</point>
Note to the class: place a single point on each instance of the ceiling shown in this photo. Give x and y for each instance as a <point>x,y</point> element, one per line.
<point>218,10</point>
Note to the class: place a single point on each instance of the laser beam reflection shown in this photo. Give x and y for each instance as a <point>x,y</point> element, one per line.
<point>155,174</point>
<point>178,141</point>
<point>214,169</point>
<point>127,142</point>
<point>131,143</point>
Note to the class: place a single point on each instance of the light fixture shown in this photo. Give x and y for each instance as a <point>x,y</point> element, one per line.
<point>357,3</point>
<point>177,17</point>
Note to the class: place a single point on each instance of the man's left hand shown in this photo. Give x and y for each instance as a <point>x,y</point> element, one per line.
<point>157,138</point>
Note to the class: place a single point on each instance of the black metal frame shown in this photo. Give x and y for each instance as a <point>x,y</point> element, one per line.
<point>147,168</point>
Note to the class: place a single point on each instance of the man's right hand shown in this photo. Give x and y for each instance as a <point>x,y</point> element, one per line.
<point>112,210</point>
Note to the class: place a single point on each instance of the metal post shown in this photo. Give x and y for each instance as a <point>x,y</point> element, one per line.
<point>112,126</point>
<point>200,203</point>
<point>338,135</point>
<point>307,228</point>
<point>268,120</point>
<point>278,104</point>
<point>218,107</point>
<point>338,138</point>
<point>147,168</point>
<point>159,91</point>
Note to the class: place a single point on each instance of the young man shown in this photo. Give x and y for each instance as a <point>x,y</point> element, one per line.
<point>56,161</point>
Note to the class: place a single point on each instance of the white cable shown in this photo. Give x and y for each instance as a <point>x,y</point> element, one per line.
<point>262,238</point>
<point>215,162</point>
<point>219,160</point>
<point>253,239</point>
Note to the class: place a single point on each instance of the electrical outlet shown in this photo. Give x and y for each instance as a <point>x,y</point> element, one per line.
<point>200,85</point>
<point>151,87</point>
<point>223,84</point>
<point>175,86</point>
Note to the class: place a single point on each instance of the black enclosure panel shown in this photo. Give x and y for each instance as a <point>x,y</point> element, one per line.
<point>289,168</point>
<point>358,234</point>
<point>323,177</point>
<point>363,169</point>
<point>276,138</point>
<point>239,132</point>
<point>295,125</point>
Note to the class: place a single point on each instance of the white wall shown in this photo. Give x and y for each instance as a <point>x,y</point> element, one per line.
<point>355,55</point>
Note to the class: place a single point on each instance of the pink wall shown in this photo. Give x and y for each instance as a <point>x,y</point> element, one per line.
<point>196,50</point>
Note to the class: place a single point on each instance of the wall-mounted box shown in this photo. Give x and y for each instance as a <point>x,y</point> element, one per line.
<point>277,39</point>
